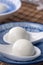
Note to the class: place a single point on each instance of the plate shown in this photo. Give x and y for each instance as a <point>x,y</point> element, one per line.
<point>31,27</point>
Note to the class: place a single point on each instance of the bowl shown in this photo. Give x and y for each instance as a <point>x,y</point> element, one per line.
<point>13,6</point>
<point>29,26</point>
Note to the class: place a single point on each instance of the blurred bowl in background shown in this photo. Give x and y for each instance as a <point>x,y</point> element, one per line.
<point>13,6</point>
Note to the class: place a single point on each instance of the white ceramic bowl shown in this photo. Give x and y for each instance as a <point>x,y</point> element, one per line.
<point>13,5</point>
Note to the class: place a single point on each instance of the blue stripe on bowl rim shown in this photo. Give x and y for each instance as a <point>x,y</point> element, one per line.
<point>26,24</point>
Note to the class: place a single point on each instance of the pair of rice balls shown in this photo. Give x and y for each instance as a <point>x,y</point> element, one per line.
<point>20,40</point>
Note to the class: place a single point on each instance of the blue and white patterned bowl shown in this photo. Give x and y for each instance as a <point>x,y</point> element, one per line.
<point>32,27</point>
<point>13,6</point>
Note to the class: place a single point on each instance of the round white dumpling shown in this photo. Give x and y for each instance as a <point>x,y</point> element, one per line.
<point>23,47</point>
<point>17,33</point>
<point>2,7</point>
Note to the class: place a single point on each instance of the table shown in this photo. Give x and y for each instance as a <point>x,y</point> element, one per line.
<point>27,12</point>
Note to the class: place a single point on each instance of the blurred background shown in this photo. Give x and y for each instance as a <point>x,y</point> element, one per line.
<point>27,12</point>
